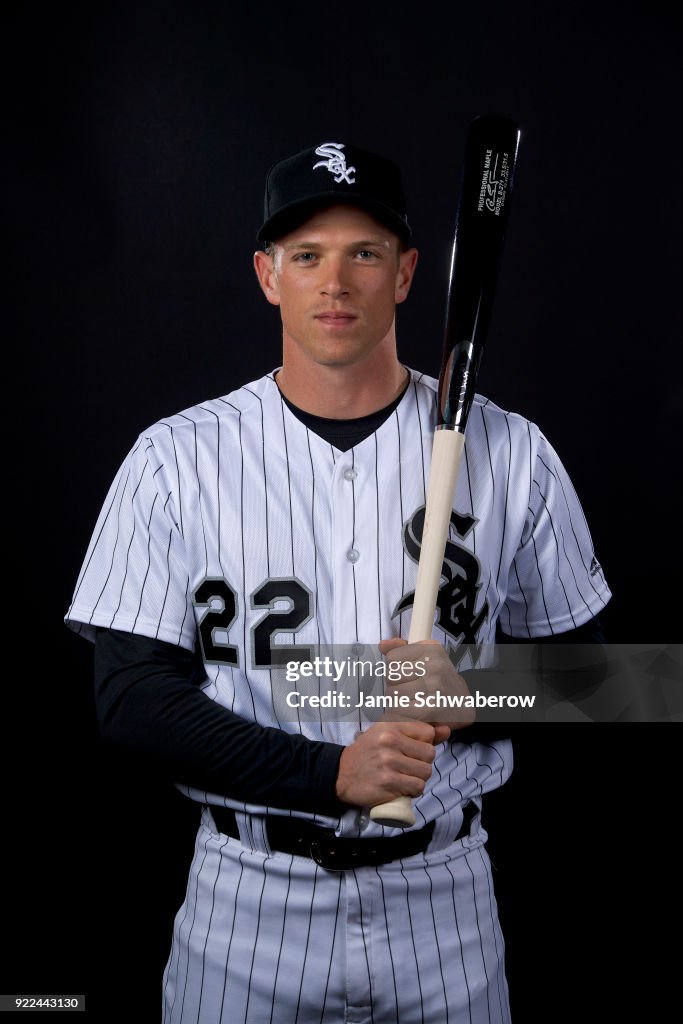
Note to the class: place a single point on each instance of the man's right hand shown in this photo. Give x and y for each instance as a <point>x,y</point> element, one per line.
<point>390,759</point>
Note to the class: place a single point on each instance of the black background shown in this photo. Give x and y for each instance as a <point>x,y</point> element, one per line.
<point>137,141</point>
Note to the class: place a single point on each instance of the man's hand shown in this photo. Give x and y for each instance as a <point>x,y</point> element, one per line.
<point>440,679</point>
<point>390,759</point>
<point>394,757</point>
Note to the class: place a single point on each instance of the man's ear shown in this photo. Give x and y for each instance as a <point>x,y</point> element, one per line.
<point>265,271</point>
<point>404,277</point>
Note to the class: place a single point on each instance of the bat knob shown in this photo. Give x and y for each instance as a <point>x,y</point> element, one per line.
<point>395,813</point>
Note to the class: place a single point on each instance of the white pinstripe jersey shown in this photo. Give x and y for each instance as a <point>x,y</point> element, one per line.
<point>233,519</point>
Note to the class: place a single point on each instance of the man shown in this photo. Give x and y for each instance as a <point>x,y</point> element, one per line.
<point>254,530</point>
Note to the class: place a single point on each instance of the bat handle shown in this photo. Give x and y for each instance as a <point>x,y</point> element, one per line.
<point>446,454</point>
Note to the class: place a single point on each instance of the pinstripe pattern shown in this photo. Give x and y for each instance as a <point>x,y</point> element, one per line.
<point>239,490</point>
<point>281,485</point>
<point>417,940</point>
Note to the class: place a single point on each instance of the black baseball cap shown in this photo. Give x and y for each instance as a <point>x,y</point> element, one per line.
<point>333,172</point>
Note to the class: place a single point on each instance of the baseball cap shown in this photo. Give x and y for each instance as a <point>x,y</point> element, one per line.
<point>333,172</point>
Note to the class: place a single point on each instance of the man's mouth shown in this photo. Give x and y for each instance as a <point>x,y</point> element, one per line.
<point>335,318</point>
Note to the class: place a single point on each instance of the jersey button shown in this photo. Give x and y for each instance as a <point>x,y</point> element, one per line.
<point>350,474</point>
<point>353,555</point>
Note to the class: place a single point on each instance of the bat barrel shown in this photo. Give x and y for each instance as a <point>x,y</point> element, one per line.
<point>488,171</point>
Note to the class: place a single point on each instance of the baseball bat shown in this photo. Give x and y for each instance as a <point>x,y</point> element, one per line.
<point>486,184</point>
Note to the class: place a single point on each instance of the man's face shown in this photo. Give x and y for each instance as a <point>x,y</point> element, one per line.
<point>337,279</point>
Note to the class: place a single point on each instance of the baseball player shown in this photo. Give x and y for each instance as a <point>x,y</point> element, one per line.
<point>282,518</point>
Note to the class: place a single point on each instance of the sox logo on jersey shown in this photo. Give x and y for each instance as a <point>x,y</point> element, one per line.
<point>457,598</point>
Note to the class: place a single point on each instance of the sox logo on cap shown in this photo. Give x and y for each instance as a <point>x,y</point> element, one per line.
<point>336,161</point>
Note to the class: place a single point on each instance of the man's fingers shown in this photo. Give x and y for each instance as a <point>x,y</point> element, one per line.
<point>411,729</point>
<point>388,760</point>
<point>442,732</point>
<point>418,751</point>
<point>388,645</point>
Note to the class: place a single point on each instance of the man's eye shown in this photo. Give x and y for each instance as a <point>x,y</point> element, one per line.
<point>366,254</point>
<point>304,257</point>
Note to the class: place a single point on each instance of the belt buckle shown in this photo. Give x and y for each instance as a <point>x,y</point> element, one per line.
<point>339,855</point>
<point>324,854</point>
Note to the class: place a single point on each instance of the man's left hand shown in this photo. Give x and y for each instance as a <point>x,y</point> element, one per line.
<point>436,678</point>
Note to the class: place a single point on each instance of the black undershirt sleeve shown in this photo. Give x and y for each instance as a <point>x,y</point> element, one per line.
<point>559,661</point>
<point>147,697</point>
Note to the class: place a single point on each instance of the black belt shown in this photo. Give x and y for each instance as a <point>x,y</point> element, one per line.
<point>338,853</point>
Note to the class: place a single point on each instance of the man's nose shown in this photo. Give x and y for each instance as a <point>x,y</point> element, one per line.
<point>335,280</point>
